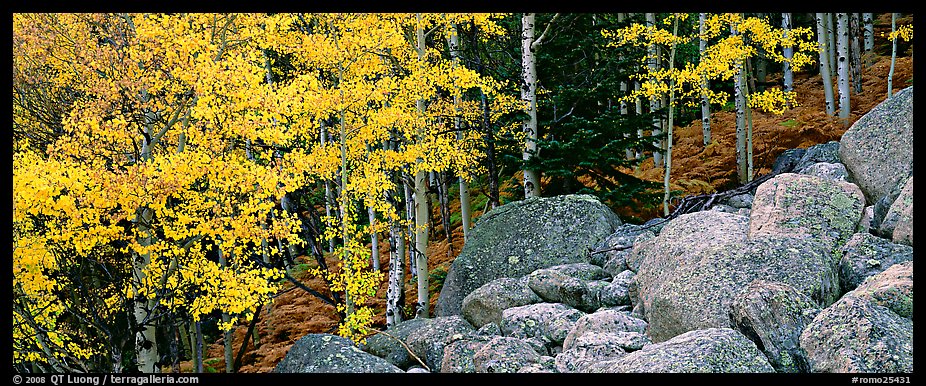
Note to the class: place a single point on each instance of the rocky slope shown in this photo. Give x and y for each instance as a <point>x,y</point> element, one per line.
<point>810,272</point>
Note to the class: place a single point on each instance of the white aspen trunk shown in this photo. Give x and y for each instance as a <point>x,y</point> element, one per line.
<point>465,203</point>
<point>628,152</point>
<point>395,292</point>
<point>788,74</point>
<point>855,52</point>
<point>146,349</point>
<point>421,243</point>
<point>638,108</point>
<point>705,85</point>
<point>890,74</point>
<point>831,42</point>
<point>343,200</point>
<point>529,97</point>
<point>410,216</point>
<point>825,74</point>
<point>749,170</point>
<point>869,27</point>
<point>842,50</point>
<point>740,101</point>
<point>651,64</point>
<point>421,206</point>
<point>374,240</point>
<point>671,123</point>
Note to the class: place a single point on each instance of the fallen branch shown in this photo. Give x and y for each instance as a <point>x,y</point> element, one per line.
<point>405,346</point>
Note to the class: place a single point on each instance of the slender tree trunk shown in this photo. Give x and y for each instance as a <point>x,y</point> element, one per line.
<point>443,197</point>
<point>395,292</point>
<point>374,240</point>
<point>740,99</point>
<point>465,204</point>
<point>869,27</point>
<point>200,366</point>
<point>855,52</point>
<point>638,109</point>
<point>749,164</point>
<point>146,349</point>
<point>825,74</point>
<point>831,35</point>
<point>652,63</point>
<point>410,214</point>
<point>628,152</point>
<point>421,206</point>
<point>890,74</point>
<point>491,170</point>
<point>195,356</point>
<point>788,74</point>
<point>671,123</point>
<point>842,48</point>
<point>329,199</point>
<point>228,336</point>
<point>344,202</point>
<point>705,85</point>
<point>489,135</point>
<point>185,341</point>
<point>529,97</point>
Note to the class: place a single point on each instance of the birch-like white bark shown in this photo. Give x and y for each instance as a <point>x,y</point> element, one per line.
<point>825,74</point>
<point>705,102</point>
<point>842,68</point>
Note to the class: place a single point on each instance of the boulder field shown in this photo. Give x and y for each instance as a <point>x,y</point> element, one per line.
<point>812,272</point>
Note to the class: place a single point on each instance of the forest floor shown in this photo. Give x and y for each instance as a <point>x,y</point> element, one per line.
<point>696,169</point>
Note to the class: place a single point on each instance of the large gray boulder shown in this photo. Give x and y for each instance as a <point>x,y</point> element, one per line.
<point>611,254</point>
<point>880,209</point>
<point>548,321</point>
<point>429,340</point>
<point>898,222</point>
<point>617,292</point>
<point>866,255</point>
<point>577,288</point>
<point>715,350</point>
<point>516,239</point>
<point>607,320</point>
<point>869,330</point>
<point>803,206</point>
<point>389,345</point>
<point>591,348</point>
<point>787,161</point>
<point>878,148</point>
<point>824,152</point>
<point>692,271</point>
<point>826,170</point>
<point>503,354</point>
<point>326,353</point>
<point>458,355</point>
<point>773,315</point>
<point>892,289</point>
<point>485,304</point>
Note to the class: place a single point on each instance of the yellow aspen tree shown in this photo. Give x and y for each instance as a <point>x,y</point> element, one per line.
<point>904,33</point>
<point>165,102</point>
<point>719,61</point>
